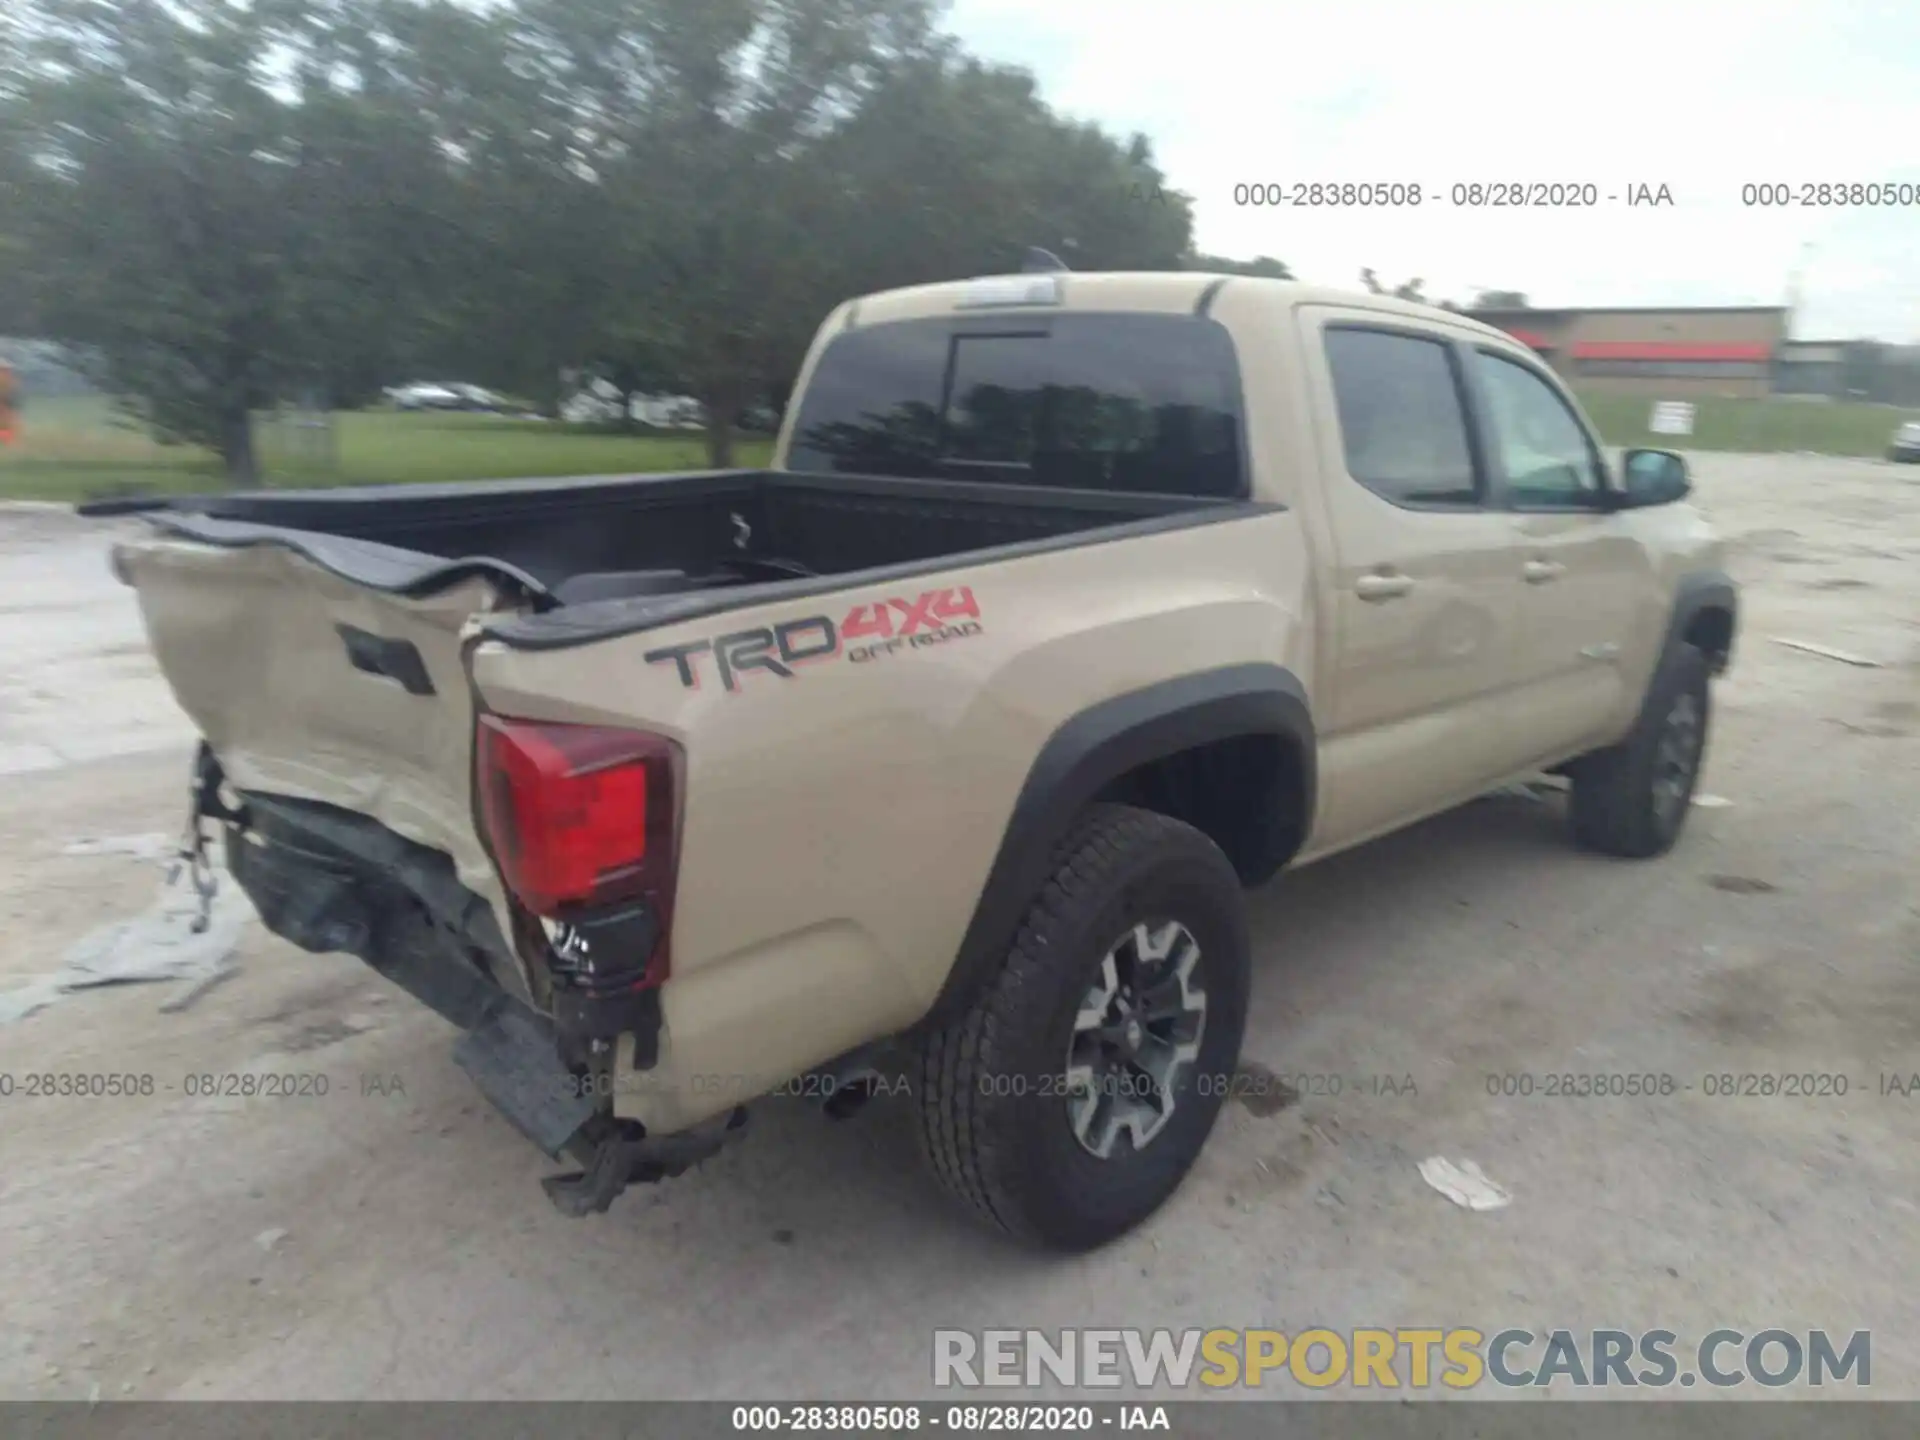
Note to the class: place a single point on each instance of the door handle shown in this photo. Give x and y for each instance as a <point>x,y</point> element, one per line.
<point>1382,587</point>
<point>394,659</point>
<point>1539,572</point>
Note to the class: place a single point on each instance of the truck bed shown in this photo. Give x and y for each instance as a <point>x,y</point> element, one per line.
<point>583,541</point>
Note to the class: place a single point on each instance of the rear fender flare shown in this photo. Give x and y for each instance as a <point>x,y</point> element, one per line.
<point>1088,753</point>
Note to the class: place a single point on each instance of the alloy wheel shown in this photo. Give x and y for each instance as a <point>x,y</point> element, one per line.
<point>1675,758</point>
<point>1135,1036</point>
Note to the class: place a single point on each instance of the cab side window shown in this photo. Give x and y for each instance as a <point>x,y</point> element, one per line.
<point>1545,454</point>
<point>1402,420</point>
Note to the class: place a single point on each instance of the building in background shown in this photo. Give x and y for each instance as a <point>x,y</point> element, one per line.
<point>1671,354</point>
<point>1860,370</point>
<point>1812,367</point>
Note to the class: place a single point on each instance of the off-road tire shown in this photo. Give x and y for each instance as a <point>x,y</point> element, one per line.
<point>1614,808</point>
<point>994,1117</point>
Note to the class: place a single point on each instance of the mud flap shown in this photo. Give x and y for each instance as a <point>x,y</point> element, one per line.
<point>514,1057</point>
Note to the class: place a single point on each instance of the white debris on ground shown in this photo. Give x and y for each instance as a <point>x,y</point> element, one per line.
<point>151,845</point>
<point>39,992</point>
<point>1464,1183</point>
<point>158,944</point>
<point>1711,802</point>
<point>161,943</point>
<point>1846,657</point>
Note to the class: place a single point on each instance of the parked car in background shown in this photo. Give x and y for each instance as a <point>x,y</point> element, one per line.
<point>480,399</point>
<point>451,395</point>
<point>1905,447</point>
<point>595,404</point>
<point>598,403</point>
<point>683,412</point>
<point>422,396</point>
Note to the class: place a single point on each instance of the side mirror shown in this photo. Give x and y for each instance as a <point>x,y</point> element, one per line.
<point>1654,477</point>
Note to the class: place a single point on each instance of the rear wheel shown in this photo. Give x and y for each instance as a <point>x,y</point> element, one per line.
<point>1633,798</point>
<point>1071,1100</point>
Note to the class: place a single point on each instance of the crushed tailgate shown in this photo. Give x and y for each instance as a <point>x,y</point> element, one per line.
<point>312,685</point>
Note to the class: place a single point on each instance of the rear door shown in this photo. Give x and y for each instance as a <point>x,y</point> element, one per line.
<point>1582,574</point>
<point>1424,585</point>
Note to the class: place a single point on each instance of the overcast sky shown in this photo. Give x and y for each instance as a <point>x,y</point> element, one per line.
<point>1699,95</point>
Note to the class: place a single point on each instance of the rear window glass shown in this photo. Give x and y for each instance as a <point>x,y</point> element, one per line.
<point>1402,421</point>
<point>1080,401</point>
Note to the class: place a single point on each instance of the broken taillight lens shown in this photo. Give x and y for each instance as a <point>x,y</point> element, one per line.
<point>578,815</point>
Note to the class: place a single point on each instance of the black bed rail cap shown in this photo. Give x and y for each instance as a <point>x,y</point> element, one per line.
<point>109,505</point>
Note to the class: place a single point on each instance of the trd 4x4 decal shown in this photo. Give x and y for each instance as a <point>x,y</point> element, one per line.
<point>882,628</point>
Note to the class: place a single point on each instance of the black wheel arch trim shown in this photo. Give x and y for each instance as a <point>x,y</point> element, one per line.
<point>1089,752</point>
<point>1701,591</point>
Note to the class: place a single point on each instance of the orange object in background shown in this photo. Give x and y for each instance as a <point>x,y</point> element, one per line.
<point>9,420</point>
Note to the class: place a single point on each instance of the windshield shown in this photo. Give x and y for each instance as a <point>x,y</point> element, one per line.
<point>1095,401</point>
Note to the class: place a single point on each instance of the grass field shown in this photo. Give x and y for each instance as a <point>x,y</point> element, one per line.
<point>73,448</point>
<point>1753,425</point>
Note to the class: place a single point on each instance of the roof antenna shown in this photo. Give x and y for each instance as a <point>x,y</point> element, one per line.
<point>1040,261</point>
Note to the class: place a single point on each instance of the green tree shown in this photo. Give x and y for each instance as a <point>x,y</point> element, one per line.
<point>15,175</point>
<point>956,167</point>
<point>391,106</point>
<point>767,158</point>
<point>692,120</point>
<point>218,202</point>
<point>1414,290</point>
<point>1263,267</point>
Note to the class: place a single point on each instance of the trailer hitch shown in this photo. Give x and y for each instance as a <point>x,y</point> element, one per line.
<point>619,1153</point>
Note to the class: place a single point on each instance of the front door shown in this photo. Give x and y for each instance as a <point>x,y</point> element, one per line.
<point>1582,573</point>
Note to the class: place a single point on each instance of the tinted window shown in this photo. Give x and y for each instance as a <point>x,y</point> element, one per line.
<point>1093,401</point>
<point>1401,420</point>
<point>1544,452</point>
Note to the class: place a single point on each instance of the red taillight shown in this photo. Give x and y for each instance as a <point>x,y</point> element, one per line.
<point>577,815</point>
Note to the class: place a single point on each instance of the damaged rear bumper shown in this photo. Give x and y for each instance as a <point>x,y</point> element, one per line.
<point>513,1057</point>
<point>330,880</point>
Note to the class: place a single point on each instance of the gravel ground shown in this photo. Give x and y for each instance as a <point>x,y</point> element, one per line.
<point>389,1239</point>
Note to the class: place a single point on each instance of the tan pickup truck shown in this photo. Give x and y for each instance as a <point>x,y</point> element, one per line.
<point>1071,605</point>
